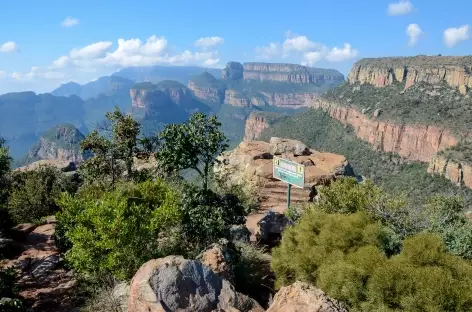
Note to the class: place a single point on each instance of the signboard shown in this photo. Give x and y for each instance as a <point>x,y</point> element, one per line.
<point>289,171</point>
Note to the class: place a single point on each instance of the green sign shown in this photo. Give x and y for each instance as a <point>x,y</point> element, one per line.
<point>289,171</point>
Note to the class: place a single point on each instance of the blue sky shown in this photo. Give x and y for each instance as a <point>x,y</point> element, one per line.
<point>45,43</point>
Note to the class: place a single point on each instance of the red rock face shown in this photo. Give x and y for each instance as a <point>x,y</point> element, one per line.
<point>460,173</point>
<point>410,141</point>
<point>208,94</point>
<point>254,127</point>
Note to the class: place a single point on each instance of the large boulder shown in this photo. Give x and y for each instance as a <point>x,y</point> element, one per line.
<point>176,284</point>
<point>270,227</point>
<point>302,297</point>
<point>286,146</point>
<point>218,258</point>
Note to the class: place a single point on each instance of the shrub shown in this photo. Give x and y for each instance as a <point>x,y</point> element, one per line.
<point>342,254</point>
<point>34,193</point>
<point>116,232</point>
<point>207,217</point>
<point>9,290</point>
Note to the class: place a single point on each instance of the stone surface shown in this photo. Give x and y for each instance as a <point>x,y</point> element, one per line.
<point>232,71</point>
<point>240,233</point>
<point>43,282</point>
<point>415,142</point>
<point>254,126</point>
<point>459,172</point>
<point>176,284</point>
<point>302,297</point>
<point>250,165</point>
<point>217,257</point>
<point>453,70</point>
<point>286,146</point>
<point>270,227</point>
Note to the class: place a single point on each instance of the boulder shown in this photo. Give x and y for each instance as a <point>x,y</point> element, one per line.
<point>218,258</point>
<point>176,284</point>
<point>240,233</point>
<point>287,146</point>
<point>270,227</point>
<point>302,297</point>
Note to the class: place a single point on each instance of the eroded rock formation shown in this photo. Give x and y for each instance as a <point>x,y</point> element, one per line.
<point>453,70</point>
<point>250,165</point>
<point>459,172</point>
<point>415,142</point>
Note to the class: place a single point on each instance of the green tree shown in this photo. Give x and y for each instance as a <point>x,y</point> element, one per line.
<point>5,163</point>
<point>194,144</point>
<point>113,153</point>
<point>117,231</point>
<point>34,193</point>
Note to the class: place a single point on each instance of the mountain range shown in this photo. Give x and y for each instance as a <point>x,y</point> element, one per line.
<point>159,95</point>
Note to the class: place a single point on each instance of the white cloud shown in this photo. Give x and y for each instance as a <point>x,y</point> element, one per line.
<point>414,32</point>
<point>2,74</point>
<point>91,51</point>
<point>298,43</point>
<point>9,47</point>
<point>36,72</point>
<point>269,51</point>
<point>69,22</point>
<point>61,62</point>
<point>301,49</point>
<point>400,8</point>
<point>453,36</point>
<point>341,54</point>
<point>207,42</point>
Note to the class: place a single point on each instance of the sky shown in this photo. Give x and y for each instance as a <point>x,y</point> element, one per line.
<point>46,43</point>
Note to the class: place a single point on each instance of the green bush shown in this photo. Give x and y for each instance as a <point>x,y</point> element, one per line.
<point>10,291</point>
<point>207,217</point>
<point>116,232</point>
<point>34,193</point>
<point>343,255</point>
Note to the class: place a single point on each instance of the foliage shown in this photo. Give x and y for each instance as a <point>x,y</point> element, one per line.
<point>342,254</point>
<point>10,291</point>
<point>34,193</point>
<point>194,144</point>
<point>208,217</point>
<point>319,131</point>
<point>5,163</point>
<point>461,152</point>
<point>113,156</point>
<point>117,231</point>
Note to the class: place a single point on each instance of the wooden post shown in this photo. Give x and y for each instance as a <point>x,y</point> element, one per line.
<point>289,189</point>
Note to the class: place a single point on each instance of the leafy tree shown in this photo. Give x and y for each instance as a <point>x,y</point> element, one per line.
<point>208,216</point>
<point>117,231</point>
<point>5,163</point>
<point>192,145</point>
<point>34,193</point>
<point>113,153</point>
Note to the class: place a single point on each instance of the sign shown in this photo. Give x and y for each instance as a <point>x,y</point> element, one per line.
<point>289,172</point>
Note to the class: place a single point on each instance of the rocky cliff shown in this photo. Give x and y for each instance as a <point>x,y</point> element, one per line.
<point>456,71</point>
<point>454,163</point>
<point>250,165</point>
<point>289,73</point>
<point>207,88</point>
<point>415,142</point>
<point>61,143</point>
<point>257,122</point>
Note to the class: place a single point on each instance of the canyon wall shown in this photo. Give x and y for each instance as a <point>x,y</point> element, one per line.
<point>414,142</point>
<point>255,124</point>
<point>455,71</point>
<point>289,73</point>
<point>459,172</point>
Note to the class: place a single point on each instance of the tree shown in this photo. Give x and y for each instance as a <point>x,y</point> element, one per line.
<point>5,163</point>
<point>194,144</point>
<point>113,153</point>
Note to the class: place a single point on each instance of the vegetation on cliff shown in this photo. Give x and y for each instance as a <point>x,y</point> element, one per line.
<point>421,104</point>
<point>319,131</point>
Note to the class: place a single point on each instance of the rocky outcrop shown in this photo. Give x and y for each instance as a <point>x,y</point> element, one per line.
<point>44,283</point>
<point>415,142</point>
<point>232,71</point>
<point>290,100</point>
<point>302,297</point>
<point>290,73</point>
<point>176,284</point>
<point>207,88</point>
<point>235,98</point>
<point>255,125</point>
<point>459,172</point>
<point>250,165</point>
<point>60,143</point>
<point>456,71</point>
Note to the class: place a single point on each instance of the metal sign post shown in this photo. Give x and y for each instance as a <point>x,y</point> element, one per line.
<point>290,172</point>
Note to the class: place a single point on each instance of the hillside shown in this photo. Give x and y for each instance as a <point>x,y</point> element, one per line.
<point>24,116</point>
<point>61,143</point>
<point>395,174</point>
<point>107,85</point>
